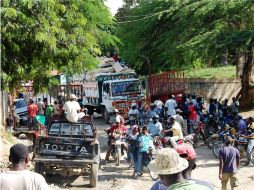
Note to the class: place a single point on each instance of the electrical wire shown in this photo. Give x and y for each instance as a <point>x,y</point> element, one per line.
<point>146,17</point>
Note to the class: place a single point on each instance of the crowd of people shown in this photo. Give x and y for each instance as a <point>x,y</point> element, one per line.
<point>173,164</point>
<point>180,112</point>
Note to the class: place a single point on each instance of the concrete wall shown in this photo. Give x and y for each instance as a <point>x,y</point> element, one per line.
<point>208,88</point>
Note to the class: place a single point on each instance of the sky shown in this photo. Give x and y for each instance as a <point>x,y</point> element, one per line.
<point>114,5</point>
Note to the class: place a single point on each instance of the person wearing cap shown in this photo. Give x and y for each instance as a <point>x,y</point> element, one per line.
<point>155,127</point>
<point>170,167</point>
<point>176,129</point>
<point>19,178</point>
<point>117,114</point>
<point>72,108</point>
<point>152,111</point>
<point>133,114</point>
<point>179,119</point>
<point>116,129</point>
<point>170,106</point>
<point>229,163</point>
<point>159,106</point>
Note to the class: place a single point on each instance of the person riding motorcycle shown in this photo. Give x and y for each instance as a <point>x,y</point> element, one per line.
<point>175,129</point>
<point>116,115</point>
<point>115,130</point>
<point>155,127</point>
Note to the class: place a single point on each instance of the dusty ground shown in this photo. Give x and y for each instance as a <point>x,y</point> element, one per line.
<point>119,177</point>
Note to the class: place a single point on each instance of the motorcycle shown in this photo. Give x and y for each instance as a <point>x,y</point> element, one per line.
<point>147,158</point>
<point>199,130</point>
<point>240,143</point>
<point>117,148</point>
<point>118,143</point>
<point>213,139</point>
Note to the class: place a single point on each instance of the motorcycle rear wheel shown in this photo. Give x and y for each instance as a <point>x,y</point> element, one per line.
<point>252,156</point>
<point>216,148</point>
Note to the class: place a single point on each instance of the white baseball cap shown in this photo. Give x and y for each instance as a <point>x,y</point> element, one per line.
<point>73,96</point>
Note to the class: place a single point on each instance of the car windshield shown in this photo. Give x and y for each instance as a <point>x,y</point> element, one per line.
<point>125,88</point>
<point>20,104</point>
<point>71,129</point>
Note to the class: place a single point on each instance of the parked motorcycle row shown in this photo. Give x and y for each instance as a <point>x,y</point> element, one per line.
<point>209,129</point>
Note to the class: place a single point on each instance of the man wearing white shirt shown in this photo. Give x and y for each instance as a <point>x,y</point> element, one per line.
<point>18,177</point>
<point>170,106</point>
<point>72,109</point>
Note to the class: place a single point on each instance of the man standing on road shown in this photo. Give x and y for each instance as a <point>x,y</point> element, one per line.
<point>32,111</point>
<point>229,163</point>
<point>170,106</point>
<point>19,178</point>
<point>41,107</point>
<point>250,138</point>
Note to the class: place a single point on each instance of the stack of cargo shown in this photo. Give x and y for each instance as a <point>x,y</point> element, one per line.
<point>107,66</point>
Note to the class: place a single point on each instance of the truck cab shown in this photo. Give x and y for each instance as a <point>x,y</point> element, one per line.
<point>118,94</point>
<point>113,91</point>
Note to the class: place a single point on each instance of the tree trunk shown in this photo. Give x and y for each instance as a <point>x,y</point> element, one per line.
<point>243,95</point>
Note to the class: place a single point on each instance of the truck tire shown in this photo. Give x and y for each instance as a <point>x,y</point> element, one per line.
<point>39,168</point>
<point>94,175</point>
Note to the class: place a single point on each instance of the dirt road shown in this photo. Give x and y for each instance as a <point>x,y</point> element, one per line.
<point>112,177</point>
<point>119,177</point>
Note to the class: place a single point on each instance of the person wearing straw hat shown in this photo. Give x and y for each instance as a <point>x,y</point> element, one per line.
<point>170,166</point>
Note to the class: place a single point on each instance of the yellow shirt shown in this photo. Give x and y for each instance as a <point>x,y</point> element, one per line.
<point>251,126</point>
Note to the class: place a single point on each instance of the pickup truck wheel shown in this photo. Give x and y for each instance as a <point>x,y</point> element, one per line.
<point>94,175</point>
<point>39,168</point>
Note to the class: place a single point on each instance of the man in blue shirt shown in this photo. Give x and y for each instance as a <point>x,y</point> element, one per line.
<point>155,127</point>
<point>145,143</point>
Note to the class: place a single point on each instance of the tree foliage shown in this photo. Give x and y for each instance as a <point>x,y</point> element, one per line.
<point>188,33</point>
<point>39,36</point>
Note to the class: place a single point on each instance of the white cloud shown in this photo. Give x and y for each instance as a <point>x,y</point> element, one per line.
<point>113,5</point>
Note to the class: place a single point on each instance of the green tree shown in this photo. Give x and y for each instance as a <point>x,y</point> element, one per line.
<point>188,33</point>
<point>39,36</point>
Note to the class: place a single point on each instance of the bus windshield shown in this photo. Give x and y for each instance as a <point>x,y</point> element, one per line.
<point>125,88</point>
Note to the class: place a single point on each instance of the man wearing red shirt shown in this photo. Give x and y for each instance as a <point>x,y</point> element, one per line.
<point>32,111</point>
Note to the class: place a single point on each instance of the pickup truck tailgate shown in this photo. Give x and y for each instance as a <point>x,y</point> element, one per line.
<point>66,147</point>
